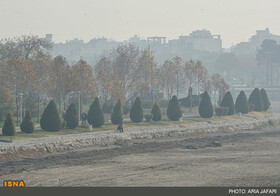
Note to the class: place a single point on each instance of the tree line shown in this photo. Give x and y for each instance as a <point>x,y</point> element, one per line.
<point>27,69</point>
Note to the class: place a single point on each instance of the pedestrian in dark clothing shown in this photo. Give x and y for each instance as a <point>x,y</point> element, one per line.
<point>120,128</point>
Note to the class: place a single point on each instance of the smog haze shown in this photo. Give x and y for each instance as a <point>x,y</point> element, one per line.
<point>234,20</point>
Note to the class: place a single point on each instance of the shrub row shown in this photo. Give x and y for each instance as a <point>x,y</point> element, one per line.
<point>51,121</point>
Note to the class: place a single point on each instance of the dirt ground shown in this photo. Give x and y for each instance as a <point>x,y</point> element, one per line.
<point>245,158</point>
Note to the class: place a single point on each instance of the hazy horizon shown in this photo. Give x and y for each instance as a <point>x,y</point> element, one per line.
<point>234,20</point>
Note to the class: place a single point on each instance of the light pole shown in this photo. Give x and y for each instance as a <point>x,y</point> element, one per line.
<point>79,107</point>
<point>20,106</point>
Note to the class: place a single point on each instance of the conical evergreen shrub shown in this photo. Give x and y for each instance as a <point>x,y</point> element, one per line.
<point>95,115</point>
<point>117,114</point>
<point>27,124</point>
<point>156,112</point>
<point>227,101</point>
<point>256,99</point>
<point>173,109</point>
<point>50,120</point>
<point>72,116</point>
<point>241,103</point>
<point>266,102</point>
<point>136,111</point>
<point>9,127</point>
<point>205,107</point>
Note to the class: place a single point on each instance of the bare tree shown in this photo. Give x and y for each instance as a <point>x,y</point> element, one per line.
<point>168,78</point>
<point>30,45</point>
<point>60,80</point>
<point>17,75</point>
<point>8,49</point>
<point>190,76</point>
<point>219,86</point>
<point>178,67</point>
<point>127,67</point>
<point>103,72</point>
<point>40,64</point>
<point>124,64</point>
<point>23,46</point>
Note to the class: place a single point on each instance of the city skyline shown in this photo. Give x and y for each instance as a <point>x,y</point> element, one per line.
<point>235,21</point>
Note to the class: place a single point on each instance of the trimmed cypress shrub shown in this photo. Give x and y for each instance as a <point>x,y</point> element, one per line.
<point>72,116</point>
<point>156,112</point>
<point>266,102</point>
<point>95,115</point>
<point>227,101</point>
<point>241,103</point>
<point>9,127</point>
<point>27,125</point>
<point>50,120</point>
<point>117,114</point>
<point>256,99</point>
<point>148,117</point>
<point>173,109</point>
<point>205,107</point>
<point>136,111</point>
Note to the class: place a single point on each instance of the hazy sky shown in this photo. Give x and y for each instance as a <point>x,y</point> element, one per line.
<point>234,20</point>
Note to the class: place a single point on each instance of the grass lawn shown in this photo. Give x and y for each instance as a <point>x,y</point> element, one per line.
<point>129,125</point>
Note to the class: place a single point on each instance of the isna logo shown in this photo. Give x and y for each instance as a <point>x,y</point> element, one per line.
<point>13,183</point>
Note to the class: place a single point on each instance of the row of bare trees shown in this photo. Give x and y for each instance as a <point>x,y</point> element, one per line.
<point>127,72</point>
<point>26,67</point>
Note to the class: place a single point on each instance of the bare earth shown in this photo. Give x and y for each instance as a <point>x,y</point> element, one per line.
<point>244,158</point>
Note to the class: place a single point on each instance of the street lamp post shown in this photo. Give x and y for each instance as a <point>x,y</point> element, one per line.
<point>20,107</point>
<point>79,107</point>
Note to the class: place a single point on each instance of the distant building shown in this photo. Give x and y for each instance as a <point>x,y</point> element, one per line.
<point>261,35</point>
<point>48,37</point>
<point>255,42</point>
<point>200,44</point>
<point>244,48</point>
<point>199,40</point>
<point>74,50</point>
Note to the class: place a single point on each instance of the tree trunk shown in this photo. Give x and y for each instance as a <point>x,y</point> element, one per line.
<point>23,104</point>
<point>215,99</point>
<point>81,105</point>
<point>277,72</point>
<point>190,94</point>
<point>59,105</point>
<point>38,109</point>
<point>271,74</point>
<point>17,105</point>
<point>267,73</point>
<point>64,104</point>
<point>3,113</point>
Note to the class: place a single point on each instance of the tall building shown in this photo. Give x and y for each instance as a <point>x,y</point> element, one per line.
<point>261,35</point>
<point>199,40</point>
<point>254,43</point>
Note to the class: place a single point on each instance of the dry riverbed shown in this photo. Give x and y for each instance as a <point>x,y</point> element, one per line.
<point>238,158</point>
